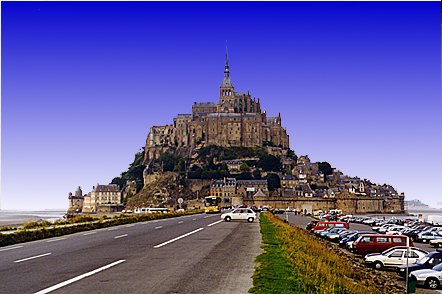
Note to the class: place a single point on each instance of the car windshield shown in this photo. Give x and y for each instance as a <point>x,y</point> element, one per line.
<point>438,267</point>
<point>423,260</point>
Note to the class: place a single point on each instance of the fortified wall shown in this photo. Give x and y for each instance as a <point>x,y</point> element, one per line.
<point>348,204</point>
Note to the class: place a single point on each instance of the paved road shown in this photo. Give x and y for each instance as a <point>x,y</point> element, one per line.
<point>191,254</point>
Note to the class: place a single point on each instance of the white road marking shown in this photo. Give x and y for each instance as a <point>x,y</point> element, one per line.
<point>10,248</point>
<point>32,257</point>
<point>121,236</point>
<point>206,216</point>
<point>131,225</point>
<point>159,227</point>
<point>77,278</point>
<point>90,233</point>
<point>194,219</point>
<point>212,224</point>
<point>111,229</point>
<point>177,238</point>
<point>180,222</point>
<point>55,240</point>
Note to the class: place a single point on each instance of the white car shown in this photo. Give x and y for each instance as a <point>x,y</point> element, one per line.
<point>430,278</point>
<point>395,230</point>
<point>436,243</point>
<point>394,257</point>
<point>239,214</point>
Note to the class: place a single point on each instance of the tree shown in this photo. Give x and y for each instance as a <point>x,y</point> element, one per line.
<point>167,161</point>
<point>273,181</point>
<point>270,162</point>
<point>244,167</point>
<point>325,168</point>
<point>256,174</point>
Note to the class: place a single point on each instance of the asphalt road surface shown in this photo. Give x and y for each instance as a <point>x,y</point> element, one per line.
<point>191,254</point>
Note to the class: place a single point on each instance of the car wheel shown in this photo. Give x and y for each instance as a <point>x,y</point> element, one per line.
<point>432,283</point>
<point>439,245</point>
<point>227,218</point>
<point>250,219</point>
<point>378,265</point>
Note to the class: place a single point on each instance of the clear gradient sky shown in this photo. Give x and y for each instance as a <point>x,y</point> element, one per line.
<point>358,85</point>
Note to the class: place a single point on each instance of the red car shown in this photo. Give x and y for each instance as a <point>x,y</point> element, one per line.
<point>375,243</point>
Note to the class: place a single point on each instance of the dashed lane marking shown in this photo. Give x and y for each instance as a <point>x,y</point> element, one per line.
<point>77,278</point>
<point>90,233</point>
<point>212,224</point>
<point>10,248</point>
<point>159,227</point>
<point>177,238</point>
<point>121,236</point>
<point>55,240</point>
<point>32,257</point>
<point>180,222</point>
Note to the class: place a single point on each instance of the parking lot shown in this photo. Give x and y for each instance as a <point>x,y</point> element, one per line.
<point>302,221</point>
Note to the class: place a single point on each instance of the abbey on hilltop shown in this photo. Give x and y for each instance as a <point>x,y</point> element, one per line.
<point>236,120</point>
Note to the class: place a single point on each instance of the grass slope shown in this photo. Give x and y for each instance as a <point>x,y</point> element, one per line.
<point>294,262</point>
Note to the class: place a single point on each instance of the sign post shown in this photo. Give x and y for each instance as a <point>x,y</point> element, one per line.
<point>180,202</point>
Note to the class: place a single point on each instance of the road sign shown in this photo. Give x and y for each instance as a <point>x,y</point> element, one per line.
<point>180,200</point>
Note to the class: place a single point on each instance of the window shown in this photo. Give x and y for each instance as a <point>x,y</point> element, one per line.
<point>382,240</point>
<point>412,254</point>
<point>398,240</point>
<point>366,239</point>
<point>397,253</point>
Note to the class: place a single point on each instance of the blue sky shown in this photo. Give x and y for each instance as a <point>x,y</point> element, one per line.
<point>358,85</point>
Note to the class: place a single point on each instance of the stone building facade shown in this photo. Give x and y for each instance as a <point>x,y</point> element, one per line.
<point>235,120</point>
<point>103,198</point>
<point>76,201</point>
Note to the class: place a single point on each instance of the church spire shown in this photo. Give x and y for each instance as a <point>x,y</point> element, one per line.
<point>226,80</point>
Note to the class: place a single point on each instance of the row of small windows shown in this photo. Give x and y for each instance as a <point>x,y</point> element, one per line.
<point>227,92</point>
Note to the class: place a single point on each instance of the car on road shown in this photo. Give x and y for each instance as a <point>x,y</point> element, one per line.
<point>239,214</point>
<point>393,257</point>
<point>430,278</point>
<point>428,261</point>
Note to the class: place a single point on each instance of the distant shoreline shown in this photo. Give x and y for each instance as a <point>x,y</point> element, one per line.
<point>20,217</point>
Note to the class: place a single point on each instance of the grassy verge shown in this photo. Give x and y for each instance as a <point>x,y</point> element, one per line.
<point>35,231</point>
<point>294,262</point>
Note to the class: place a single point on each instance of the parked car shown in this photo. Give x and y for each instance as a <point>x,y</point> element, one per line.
<point>239,214</point>
<point>324,233</point>
<point>428,261</point>
<point>323,225</point>
<point>277,211</point>
<point>395,230</point>
<point>393,257</point>
<point>334,236</point>
<point>426,236</point>
<point>430,278</point>
<point>436,243</point>
<point>348,242</point>
<point>374,243</point>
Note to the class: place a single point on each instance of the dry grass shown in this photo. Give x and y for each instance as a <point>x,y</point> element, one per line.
<point>322,270</point>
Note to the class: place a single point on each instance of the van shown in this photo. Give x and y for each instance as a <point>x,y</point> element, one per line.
<point>435,220</point>
<point>325,225</point>
<point>376,243</point>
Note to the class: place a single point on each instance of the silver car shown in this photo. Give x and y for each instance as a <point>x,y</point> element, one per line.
<point>430,278</point>
<point>239,214</point>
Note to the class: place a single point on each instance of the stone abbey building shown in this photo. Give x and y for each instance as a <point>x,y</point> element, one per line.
<point>235,120</point>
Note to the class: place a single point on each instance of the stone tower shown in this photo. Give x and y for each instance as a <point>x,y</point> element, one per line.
<point>226,90</point>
